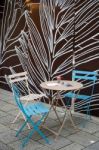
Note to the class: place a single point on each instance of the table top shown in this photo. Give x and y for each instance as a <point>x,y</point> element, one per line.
<point>61,85</point>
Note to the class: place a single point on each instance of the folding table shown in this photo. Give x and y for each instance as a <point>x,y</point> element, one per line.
<point>58,86</point>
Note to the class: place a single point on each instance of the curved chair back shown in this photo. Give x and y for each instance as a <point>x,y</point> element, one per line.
<point>19,78</point>
<point>85,75</point>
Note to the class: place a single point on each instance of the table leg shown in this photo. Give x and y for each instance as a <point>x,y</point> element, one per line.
<point>59,131</point>
<point>68,113</point>
<point>73,101</point>
<point>52,106</point>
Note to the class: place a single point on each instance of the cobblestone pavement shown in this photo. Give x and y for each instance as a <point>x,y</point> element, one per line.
<point>86,138</point>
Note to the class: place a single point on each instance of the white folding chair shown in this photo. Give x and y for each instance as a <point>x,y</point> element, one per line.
<point>21,79</point>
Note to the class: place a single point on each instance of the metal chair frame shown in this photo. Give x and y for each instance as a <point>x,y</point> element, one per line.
<point>17,78</point>
<point>29,110</point>
<point>85,76</point>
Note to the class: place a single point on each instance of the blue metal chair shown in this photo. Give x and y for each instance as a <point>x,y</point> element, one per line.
<point>29,110</point>
<point>21,81</point>
<point>83,100</point>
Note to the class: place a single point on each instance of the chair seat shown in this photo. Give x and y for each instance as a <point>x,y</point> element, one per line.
<point>79,96</point>
<point>32,97</point>
<point>36,109</point>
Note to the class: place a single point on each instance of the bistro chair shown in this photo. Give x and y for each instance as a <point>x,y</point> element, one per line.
<point>21,81</point>
<point>31,109</point>
<point>88,78</point>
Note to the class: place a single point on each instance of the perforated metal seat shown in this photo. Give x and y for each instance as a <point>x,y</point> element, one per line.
<point>35,109</point>
<point>81,96</point>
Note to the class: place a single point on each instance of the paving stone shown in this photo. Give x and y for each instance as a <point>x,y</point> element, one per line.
<point>65,131</point>
<point>7,120</point>
<point>51,122</point>
<point>89,127</point>
<point>83,138</point>
<point>15,126</point>
<point>5,147</point>
<point>6,97</point>
<point>14,112</point>
<point>45,148</point>
<point>8,137</point>
<point>4,129</point>
<point>56,144</point>
<point>6,93</point>
<point>68,124</point>
<point>78,119</point>
<point>2,113</point>
<point>2,103</point>
<point>94,146</point>
<point>52,115</point>
<point>95,120</point>
<point>10,101</point>
<point>73,146</point>
<point>8,107</point>
<point>32,145</point>
<point>96,134</point>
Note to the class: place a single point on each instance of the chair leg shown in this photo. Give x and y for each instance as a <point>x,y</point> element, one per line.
<point>35,128</point>
<point>27,122</point>
<point>70,116</point>
<point>21,128</point>
<point>59,131</point>
<point>88,111</point>
<point>38,130</point>
<point>17,118</point>
<point>42,135</point>
<point>19,113</point>
<point>26,140</point>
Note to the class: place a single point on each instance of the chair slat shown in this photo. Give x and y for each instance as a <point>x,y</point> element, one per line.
<point>85,72</point>
<point>85,77</point>
<point>18,79</point>
<point>80,96</point>
<point>17,74</point>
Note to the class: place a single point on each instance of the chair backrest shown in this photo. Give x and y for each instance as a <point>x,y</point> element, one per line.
<point>18,77</point>
<point>85,75</point>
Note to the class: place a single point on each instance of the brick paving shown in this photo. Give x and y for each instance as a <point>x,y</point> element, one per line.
<point>86,138</point>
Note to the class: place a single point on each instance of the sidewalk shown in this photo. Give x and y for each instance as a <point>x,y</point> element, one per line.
<point>86,138</point>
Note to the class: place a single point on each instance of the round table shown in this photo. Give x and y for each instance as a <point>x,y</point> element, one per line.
<point>61,85</point>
